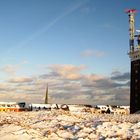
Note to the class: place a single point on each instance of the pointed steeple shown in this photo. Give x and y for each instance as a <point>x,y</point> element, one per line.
<point>46,97</point>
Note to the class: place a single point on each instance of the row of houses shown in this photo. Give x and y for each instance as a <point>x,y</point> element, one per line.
<point>112,109</point>
<point>12,106</point>
<point>98,109</point>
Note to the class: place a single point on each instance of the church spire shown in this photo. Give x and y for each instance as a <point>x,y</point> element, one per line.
<point>46,97</point>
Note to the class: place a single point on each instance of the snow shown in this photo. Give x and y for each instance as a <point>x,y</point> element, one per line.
<point>64,125</point>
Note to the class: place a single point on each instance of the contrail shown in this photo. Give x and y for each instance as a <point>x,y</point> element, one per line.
<point>52,23</point>
<point>45,28</point>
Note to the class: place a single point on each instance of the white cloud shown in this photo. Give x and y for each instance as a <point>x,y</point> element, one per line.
<point>25,62</point>
<point>9,69</point>
<point>67,84</point>
<point>67,71</point>
<point>92,53</point>
<point>21,80</point>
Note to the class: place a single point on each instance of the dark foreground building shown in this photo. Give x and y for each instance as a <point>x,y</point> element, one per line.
<point>134,55</point>
<point>135,79</point>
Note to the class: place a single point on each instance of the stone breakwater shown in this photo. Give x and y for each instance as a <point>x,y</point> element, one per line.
<point>63,125</point>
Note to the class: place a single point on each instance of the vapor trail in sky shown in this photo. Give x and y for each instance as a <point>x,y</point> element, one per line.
<point>44,29</point>
<point>49,25</point>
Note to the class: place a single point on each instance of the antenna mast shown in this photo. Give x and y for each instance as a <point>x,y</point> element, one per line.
<point>131,13</point>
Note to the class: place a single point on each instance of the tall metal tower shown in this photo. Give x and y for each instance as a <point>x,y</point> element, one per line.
<point>131,13</point>
<point>134,54</point>
<point>46,97</point>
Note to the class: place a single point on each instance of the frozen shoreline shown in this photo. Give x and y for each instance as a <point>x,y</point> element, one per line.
<point>64,125</point>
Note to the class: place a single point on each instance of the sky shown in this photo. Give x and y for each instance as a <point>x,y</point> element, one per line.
<point>78,47</point>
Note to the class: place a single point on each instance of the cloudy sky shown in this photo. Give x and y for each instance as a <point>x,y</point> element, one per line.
<point>78,47</point>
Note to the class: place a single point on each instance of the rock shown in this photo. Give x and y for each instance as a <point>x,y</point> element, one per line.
<point>65,107</point>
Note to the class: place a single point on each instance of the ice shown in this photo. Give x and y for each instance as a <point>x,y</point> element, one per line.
<point>67,125</point>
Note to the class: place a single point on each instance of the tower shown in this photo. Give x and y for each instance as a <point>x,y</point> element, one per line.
<point>46,97</point>
<point>134,54</point>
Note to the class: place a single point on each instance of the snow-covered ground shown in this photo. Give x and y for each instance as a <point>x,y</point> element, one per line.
<point>67,125</point>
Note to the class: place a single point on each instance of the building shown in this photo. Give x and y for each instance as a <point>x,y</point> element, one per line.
<point>135,79</point>
<point>12,106</point>
<point>134,55</point>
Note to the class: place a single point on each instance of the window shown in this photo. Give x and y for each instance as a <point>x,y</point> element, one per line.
<point>136,71</point>
<point>136,80</point>
<point>136,101</point>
